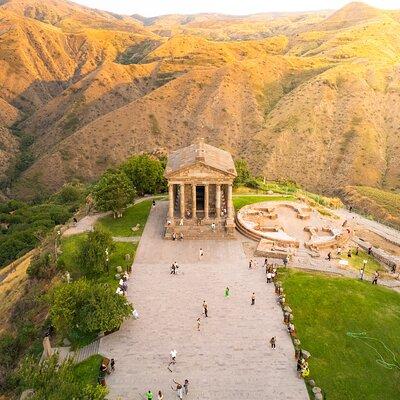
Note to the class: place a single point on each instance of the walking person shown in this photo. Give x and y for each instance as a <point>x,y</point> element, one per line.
<point>160,395</point>
<point>285,261</point>
<point>149,395</point>
<point>205,308</point>
<point>179,389</point>
<point>269,277</point>
<point>198,324</point>
<point>329,256</point>
<point>173,268</point>
<point>273,342</point>
<point>201,254</point>
<point>173,355</point>
<point>349,253</point>
<point>227,291</point>
<point>362,270</point>
<point>186,386</point>
<point>375,278</point>
<point>250,264</point>
<point>253,299</point>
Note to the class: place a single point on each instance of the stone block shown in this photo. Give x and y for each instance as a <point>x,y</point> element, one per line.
<point>306,354</point>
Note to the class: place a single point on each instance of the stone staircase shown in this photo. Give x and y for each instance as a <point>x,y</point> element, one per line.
<point>85,352</point>
<point>204,232</point>
<point>78,356</point>
<point>244,231</point>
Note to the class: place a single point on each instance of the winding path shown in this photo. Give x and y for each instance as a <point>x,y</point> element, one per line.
<point>230,357</point>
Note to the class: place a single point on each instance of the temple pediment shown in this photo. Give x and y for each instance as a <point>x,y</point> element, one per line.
<point>199,171</point>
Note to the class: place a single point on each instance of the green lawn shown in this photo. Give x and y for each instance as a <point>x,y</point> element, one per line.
<point>241,201</point>
<point>70,245</point>
<point>325,310</point>
<point>356,262</point>
<point>87,371</point>
<point>136,214</point>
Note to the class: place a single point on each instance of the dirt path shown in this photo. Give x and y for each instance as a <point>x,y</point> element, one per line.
<point>230,357</point>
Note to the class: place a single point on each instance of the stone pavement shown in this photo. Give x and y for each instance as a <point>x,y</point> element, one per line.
<point>230,358</point>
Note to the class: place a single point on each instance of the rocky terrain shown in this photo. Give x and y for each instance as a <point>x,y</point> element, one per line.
<point>310,97</point>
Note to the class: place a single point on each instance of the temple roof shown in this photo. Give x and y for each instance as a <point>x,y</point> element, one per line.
<point>200,153</point>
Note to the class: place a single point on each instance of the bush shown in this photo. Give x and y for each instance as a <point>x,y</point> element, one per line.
<point>52,381</point>
<point>70,193</point>
<point>87,307</point>
<point>41,266</point>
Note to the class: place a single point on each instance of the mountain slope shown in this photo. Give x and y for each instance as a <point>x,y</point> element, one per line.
<point>311,97</point>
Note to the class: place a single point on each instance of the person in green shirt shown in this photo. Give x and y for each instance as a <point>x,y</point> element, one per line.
<point>149,395</point>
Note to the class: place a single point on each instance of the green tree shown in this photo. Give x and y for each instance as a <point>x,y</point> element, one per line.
<point>86,307</point>
<point>243,173</point>
<point>52,381</point>
<point>94,253</point>
<point>113,192</point>
<point>146,174</point>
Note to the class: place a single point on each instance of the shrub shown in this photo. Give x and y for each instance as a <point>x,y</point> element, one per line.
<point>52,381</point>
<point>41,266</point>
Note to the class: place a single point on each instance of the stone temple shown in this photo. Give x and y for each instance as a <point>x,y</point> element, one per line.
<point>200,179</point>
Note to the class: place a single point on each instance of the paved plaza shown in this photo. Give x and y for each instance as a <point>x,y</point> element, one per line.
<point>230,358</point>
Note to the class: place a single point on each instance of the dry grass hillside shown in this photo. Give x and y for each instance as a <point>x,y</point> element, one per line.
<point>311,97</point>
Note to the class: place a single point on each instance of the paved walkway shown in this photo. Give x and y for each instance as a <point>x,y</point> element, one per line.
<point>230,357</point>
<point>384,231</point>
<point>87,223</point>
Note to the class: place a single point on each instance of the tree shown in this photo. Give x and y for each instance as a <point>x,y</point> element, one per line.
<point>52,381</point>
<point>243,173</point>
<point>94,253</point>
<point>113,192</point>
<point>146,174</point>
<point>86,307</point>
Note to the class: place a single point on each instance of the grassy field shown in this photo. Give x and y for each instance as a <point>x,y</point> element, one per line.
<point>70,246</point>
<point>136,214</point>
<point>241,201</point>
<point>356,262</point>
<point>325,310</point>
<point>87,371</point>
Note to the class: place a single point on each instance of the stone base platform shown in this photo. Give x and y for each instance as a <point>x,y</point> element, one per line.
<point>203,230</point>
<point>265,249</point>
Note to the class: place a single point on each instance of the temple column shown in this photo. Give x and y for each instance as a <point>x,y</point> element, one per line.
<point>182,199</point>
<point>171,201</point>
<point>229,200</point>
<point>218,201</point>
<point>194,211</point>
<point>206,201</point>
